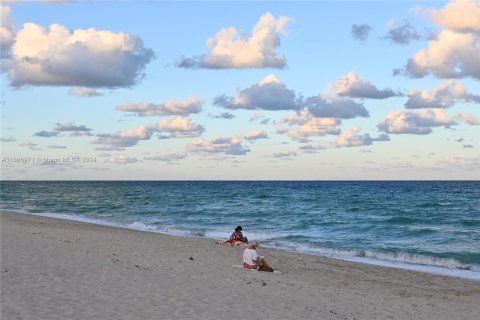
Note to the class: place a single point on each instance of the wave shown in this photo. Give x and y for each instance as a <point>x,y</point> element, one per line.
<point>402,220</point>
<point>401,260</point>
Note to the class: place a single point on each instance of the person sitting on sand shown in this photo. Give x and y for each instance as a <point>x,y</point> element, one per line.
<point>236,238</point>
<point>251,259</point>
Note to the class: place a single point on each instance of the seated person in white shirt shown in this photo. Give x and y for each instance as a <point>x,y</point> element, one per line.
<point>251,259</point>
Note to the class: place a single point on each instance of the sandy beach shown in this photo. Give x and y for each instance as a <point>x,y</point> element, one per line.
<point>60,269</point>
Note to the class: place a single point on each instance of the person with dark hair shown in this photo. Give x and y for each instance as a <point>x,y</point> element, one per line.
<point>236,238</point>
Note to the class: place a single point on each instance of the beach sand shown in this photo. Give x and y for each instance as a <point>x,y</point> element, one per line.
<point>60,269</point>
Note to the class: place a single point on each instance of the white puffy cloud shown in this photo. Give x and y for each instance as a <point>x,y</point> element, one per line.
<point>269,94</point>
<point>230,49</point>
<point>443,96</point>
<point>453,53</point>
<point>56,56</point>
<point>7,31</point>
<point>121,159</point>
<point>415,121</point>
<point>228,145</point>
<point>351,138</point>
<point>468,118</point>
<point>272,94</point>
<point>352,85</point>
<point>123,139</point>
<point>171,157</point>
<point>460,15</point>
<point>303,125</point>
<point>172,107</point>
<point>83,92</point>
<point>177,127</point>
<point>450,55</point>
<point>255,135</point>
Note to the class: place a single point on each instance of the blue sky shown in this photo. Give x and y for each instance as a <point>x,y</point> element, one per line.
<point>285,90</point>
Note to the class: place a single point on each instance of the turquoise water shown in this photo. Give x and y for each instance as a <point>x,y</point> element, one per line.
<point>429,226</point>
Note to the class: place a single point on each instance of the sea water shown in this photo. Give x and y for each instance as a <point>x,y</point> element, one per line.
<point>431,226</point>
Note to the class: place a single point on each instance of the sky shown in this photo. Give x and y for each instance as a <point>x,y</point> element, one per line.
<point>223,90</point>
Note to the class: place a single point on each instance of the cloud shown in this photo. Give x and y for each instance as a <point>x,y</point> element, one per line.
<point>229,145</point>
<point>352,85</point>
<point>123,139</point>
<point>285,154</point>
<point>45,134</point>
<point>224,115</point>
<point>172,107</point>
<point>468,164</point>
<point>253,135</point>
<point>403,34</point>
<point>75,130</point>
<point>443,96</point>
<point>303,125</point>
<point>9,139</point>
<point>177,127</point>
<point>265,121</point>
<point>269,94</point>
<point>230,49</point>
<point>55,146</point>
<point>468,118</point>
<point>272,94</point>
<point>56,56</point>
<point>449,55</point>
<point>351,138</point>
<point>255,116</point>
<point>84,92</point>
<point>468,146</point>
<point>461,16</point>
<point>337,108</point>
<point>310,148</point>
<point>361,31</point>
<point>453,53</point>
<point>30,145</point>
<point>168,157</point>
<point>7,31</point>
<point>27,144</point>
<point>121,159</point>
<point>414,121</point>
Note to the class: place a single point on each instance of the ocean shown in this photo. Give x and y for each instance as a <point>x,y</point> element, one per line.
<point>430,226</point>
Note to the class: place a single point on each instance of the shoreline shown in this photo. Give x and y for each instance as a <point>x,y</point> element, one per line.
<point>56,269</point>
<point>402,265</point>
